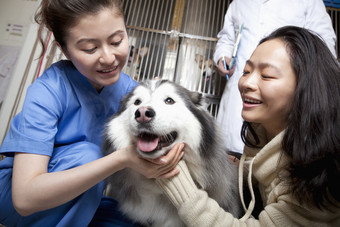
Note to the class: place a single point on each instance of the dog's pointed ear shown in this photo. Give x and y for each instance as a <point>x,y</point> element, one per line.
<point>199,60</point>
<point>198,99</point>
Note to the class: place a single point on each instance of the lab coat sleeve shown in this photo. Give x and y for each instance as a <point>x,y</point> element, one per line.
<point>226,37</point>
<point>319,21</point>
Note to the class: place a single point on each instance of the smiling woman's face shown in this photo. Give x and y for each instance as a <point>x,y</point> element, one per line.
<point>267,86</point>
<point>98,47</point>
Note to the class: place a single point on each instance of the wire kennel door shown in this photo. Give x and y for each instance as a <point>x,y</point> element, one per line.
<point>175,40</point>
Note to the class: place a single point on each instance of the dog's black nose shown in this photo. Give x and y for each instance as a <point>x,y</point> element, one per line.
<point>144,114</point>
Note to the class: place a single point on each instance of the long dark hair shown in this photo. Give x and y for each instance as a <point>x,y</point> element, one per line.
<point>59,15</point>
<point>312,134</point>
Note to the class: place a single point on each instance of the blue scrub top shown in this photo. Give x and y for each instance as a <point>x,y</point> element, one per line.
<point>62,108</point>
<point>63,117</point>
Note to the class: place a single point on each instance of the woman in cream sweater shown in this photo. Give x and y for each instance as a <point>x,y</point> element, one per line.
<point>291,97</point>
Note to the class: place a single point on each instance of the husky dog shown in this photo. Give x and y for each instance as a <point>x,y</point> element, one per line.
<point>154,116</point>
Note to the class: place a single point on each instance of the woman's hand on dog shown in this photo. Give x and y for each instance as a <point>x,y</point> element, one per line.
<point>163,167</point>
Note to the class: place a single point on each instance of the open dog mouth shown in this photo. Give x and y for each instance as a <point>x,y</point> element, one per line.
<point>148,142</point>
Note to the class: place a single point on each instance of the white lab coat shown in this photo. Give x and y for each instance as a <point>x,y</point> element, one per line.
<point>260,18</point>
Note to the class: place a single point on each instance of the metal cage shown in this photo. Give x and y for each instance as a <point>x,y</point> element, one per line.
<point>175,40</point>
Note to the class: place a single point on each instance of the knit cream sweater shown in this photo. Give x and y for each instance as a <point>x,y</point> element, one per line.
<point>260,166</point>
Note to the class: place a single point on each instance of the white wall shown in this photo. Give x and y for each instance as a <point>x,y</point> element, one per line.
<point>17,37</point>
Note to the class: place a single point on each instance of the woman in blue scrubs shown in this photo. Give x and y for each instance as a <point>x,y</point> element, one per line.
<point>54,169</point>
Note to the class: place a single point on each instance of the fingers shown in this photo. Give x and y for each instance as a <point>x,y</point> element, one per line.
<point>234,160</point>
<point>174,155</point>
<point>221,69</point>
<point>164,166</point>
<point>231,71</point>
<point>171,156</point>
<point>170,167</point>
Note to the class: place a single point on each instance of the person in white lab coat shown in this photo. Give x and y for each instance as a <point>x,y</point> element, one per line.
<point>259,18</point>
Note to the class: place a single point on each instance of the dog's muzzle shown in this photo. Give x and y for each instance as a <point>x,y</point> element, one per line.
<point>148,141</point>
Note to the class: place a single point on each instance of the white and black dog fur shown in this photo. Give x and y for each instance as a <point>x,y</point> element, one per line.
<point>154,116</point>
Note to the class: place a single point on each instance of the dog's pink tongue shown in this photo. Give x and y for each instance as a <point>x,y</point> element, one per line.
<point>147,145</point>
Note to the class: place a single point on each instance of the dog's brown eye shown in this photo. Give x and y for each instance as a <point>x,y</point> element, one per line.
<point>137,102</point>
<point>169,101</point>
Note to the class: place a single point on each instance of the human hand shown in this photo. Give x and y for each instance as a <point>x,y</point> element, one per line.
<point>234,160</point>
<point>163,167</point>
<point>221,69</point>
